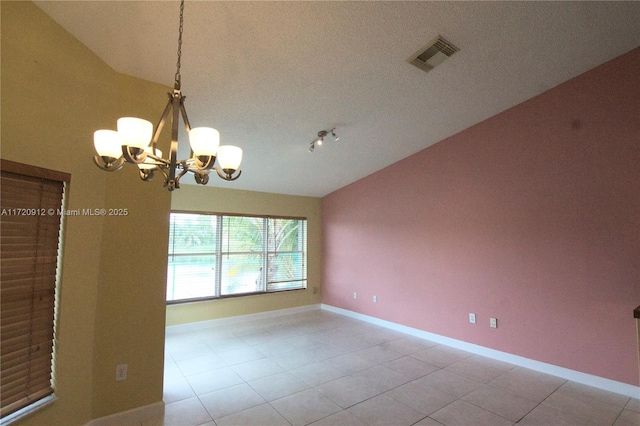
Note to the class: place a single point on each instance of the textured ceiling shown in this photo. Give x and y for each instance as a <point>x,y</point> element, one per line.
<point>270,75</point>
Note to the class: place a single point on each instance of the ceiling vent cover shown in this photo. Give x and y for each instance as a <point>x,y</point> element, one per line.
<point>433,54</point>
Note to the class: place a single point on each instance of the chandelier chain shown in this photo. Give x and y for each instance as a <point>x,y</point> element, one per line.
<point>178,64</point>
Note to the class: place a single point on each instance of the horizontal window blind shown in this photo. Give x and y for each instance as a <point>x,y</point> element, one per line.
<point>287,245</point>
<point>242,260</point>
<point>193,242</point>
<point>29,239</point>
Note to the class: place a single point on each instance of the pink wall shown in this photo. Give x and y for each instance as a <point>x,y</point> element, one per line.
<point>532,216</point>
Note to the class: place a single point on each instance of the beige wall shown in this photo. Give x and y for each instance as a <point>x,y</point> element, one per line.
<point>55,93</point>
<point>222,200</point>
<point>130,313</point>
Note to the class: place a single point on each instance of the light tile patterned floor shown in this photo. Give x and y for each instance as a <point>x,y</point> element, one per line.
<point>321,368</point>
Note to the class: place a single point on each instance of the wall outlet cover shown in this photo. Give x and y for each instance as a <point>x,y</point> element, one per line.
<point>121,372</point>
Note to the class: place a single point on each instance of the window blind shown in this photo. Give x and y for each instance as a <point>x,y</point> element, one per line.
<point>242,259</point>
<point>192,268</point>
<point>214,256</point>
<point>287,245</point>
<point>30,206</point>
<point>192,256</point>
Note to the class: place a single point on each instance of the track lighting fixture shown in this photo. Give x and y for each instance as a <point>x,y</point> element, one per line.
<point>320,139</point>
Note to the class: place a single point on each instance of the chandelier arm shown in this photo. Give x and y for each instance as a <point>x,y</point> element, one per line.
<point>146,175</point>
<point>133,155</point>
<point>227,176</point>
<point>108,166</point>
<point>182,173</point>
<point>160,126</point>
<point>161,161</point>
<point>164,173</point>
<point>185,120</point>
<point>204,162</point>
<point>173,155</point>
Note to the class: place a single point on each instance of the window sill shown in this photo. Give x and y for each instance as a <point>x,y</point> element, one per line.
<point>230,296</point>
<point>27,411</point>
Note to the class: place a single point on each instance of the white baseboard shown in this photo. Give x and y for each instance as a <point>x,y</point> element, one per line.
<point>565,373</point>
<point>131,417</point>
<point>195,326</point>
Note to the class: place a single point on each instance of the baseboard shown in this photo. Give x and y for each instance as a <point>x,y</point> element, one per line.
<point>195,326</point>
<point>130,417</point>
<point>565,373</point>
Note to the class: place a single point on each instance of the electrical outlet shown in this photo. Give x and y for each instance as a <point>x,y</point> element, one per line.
<point>375,299</point>
<point>121,372</point>
<point>472,318</point>
<point>493,322</point>
<point>355,295</point>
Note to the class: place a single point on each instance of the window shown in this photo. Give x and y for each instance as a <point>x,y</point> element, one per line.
<point>31,201</point>
<point>214,256</point>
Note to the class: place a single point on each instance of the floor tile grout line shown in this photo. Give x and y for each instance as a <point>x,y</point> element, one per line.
<point>545,398</point>
<point>568,381</point>
<point>429,417</point>
<point>487,409</point>
<point>277,411</point>
<point>205,409</point>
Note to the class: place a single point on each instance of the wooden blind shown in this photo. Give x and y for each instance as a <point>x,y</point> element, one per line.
<point>30,207</point>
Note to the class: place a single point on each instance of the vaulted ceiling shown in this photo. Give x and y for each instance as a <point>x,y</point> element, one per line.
<point>270,75</point>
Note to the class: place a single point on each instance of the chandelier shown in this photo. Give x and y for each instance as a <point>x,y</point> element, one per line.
<point>135,142</point>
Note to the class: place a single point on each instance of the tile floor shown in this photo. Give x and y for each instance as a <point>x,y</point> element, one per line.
<point>321,368</point>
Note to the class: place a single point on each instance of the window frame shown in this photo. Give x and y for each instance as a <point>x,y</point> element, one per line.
<point>219,252</point>
<point>35,401</point>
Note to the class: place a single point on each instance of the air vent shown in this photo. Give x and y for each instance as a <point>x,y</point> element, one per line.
<point>433,54</point>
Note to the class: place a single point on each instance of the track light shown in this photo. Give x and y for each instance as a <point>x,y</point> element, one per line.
<point>320,139</point>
